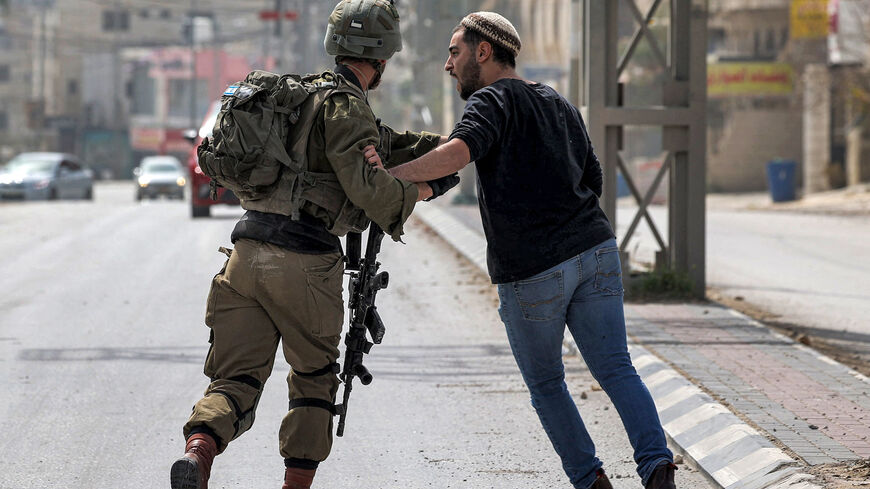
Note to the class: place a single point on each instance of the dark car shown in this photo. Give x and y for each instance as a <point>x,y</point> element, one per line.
<point>200,190</point>
<point>45,176</point>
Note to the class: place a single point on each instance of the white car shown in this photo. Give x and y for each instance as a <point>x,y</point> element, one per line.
<point>160,175</point>
<point>41,176</point>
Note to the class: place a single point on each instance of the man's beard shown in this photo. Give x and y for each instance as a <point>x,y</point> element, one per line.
<point>471,83</point>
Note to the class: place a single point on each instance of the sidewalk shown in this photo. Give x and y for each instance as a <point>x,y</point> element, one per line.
<point>752,408</point>
<point>850,201</point>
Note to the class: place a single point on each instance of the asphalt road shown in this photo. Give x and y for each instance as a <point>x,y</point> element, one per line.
<point>102,342</point>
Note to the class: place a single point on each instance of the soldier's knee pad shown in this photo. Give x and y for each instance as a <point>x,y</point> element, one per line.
<point>243,394</point>
<point>326,376</point>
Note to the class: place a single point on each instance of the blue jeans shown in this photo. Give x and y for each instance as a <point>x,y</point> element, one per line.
<point>586,293</point>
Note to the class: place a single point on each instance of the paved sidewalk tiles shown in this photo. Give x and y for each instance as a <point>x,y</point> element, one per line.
<point>730,392</point>
<point>815,407</point>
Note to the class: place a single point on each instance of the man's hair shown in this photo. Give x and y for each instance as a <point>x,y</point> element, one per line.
<point>350,59</point>
<point>499,53</point>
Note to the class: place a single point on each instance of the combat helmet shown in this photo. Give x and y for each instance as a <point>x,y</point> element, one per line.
<point>364,29</point>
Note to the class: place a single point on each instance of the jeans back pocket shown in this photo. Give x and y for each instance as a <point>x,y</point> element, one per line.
<point>541,298</point>
<point>608,274</point>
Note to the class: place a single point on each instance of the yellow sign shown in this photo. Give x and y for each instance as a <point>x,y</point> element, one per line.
<point>735,79</point>
<point>809,19</point>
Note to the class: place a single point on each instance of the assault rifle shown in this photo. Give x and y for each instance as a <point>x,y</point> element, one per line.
<point>364,285</point>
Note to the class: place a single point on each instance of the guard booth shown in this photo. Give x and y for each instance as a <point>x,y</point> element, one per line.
<point>640,71</point>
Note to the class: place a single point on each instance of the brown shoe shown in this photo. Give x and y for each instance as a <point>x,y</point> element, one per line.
<point>602,482</point>
<point>192,470</point>
<point>662,477</point>
<point>298,478</point>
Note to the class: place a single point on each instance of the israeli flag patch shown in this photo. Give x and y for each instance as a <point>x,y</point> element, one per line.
<point>231,90</point>
<point>356,24</point>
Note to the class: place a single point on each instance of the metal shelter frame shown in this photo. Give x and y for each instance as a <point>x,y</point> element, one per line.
<point>681,116</point>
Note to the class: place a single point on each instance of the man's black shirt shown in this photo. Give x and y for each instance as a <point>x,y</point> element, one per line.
<point>538,179</point>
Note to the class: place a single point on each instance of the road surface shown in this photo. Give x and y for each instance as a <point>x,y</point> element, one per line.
<point>102,343</point>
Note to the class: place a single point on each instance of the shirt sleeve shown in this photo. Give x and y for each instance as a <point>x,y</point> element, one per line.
<point>406,146</point>
<point>593,178</point>
<point>349,126</point>
<point>483,121</point>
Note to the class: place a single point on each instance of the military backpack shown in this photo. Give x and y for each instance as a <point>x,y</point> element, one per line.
<point>258,148</point>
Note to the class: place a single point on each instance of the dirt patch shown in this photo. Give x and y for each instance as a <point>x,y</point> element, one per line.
<point>849,475</point>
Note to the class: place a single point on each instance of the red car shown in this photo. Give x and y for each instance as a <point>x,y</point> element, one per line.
<point>201,201</point>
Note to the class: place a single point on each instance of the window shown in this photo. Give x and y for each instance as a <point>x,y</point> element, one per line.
<point>770,44</point>
<point>4,73</point>
<point>144,13</point>
<point>5,39</point>
<point>116,20</point>
<point>70,166</point>
<point>141,90</point>
<point>4,121</point>
<point>72,87</point>
<point>165,14</point>
<point>756,43</point>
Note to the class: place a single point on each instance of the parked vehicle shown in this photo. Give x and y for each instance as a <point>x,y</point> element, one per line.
<point>45,176</point>
<point>200,190</point>
<point>160,175</point>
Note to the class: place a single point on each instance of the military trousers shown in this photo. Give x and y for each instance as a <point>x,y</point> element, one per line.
<point>264,294</point>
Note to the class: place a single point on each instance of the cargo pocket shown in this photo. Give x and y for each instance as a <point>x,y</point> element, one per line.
<point>608,275</point>
<point>212,293</point>
<point>325,301</point>
<point>209,369</point>
<point>541,298</point>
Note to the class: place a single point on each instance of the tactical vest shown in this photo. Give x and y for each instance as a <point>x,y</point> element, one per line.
<point>292,184</point>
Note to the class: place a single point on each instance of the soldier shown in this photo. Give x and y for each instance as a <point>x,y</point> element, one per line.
<point>551,249</point>
<point>283,279</point>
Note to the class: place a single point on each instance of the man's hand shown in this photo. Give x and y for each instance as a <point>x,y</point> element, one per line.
<point>424,191</point>
<point>372,157</point>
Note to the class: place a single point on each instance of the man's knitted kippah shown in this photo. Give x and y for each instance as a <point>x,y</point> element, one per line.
<point>494,28</point>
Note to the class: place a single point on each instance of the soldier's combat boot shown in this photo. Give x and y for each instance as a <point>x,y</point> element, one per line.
<point>662,477</point>
<point>297,478</point>
<point>192,470</point>
<point>602,482</point>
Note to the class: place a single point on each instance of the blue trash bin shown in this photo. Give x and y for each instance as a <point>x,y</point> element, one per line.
<point>781,180</point>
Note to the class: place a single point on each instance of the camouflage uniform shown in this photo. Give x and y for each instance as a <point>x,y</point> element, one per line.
<point>266,293</point>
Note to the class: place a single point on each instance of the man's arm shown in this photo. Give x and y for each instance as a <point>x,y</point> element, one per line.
<point>593,178</point>
<point>446,159</point>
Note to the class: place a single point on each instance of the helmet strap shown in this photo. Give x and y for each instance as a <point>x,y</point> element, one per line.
<point>360,75</point>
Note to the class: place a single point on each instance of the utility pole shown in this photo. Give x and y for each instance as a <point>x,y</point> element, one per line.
<point>43,50</point>
<point>279,28</point>
<point>116,67</point>
<point>194,116</point>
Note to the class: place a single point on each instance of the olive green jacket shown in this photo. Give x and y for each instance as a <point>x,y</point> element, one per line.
<point>344,127</point>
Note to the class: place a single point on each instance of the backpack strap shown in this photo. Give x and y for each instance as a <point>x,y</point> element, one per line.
<point>329,85</point>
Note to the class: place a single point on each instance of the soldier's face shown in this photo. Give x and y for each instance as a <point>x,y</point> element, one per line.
<point>462,65</point>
